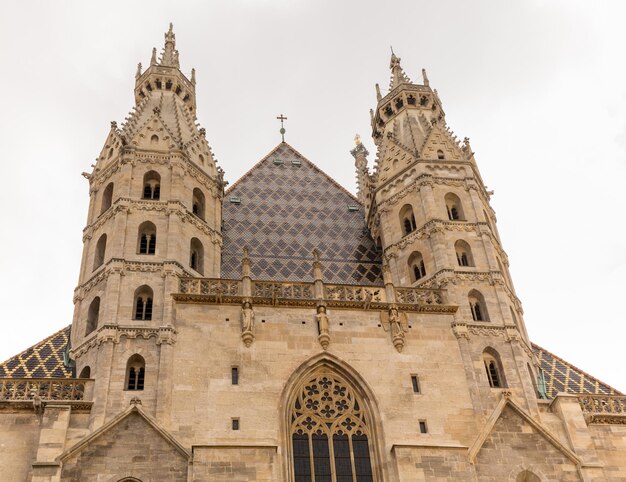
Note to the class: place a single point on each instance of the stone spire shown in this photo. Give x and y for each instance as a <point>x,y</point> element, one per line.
<point>398,77</point>
<point>169,57</point>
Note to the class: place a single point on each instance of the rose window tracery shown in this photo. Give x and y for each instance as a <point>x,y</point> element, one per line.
<point>329,432</point>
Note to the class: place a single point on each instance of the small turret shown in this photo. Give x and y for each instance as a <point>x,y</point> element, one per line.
<point>363,181</point>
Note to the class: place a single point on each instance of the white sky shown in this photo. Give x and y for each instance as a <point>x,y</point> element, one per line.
<point>538,86</point>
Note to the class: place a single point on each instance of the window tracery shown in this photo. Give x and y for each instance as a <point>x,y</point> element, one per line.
<point>329,432</point>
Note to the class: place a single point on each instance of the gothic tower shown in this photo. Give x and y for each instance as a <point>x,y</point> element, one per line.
<point>154,215</point>
<point>428,209</point>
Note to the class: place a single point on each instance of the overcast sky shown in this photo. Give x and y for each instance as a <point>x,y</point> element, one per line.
<point>538,86</point>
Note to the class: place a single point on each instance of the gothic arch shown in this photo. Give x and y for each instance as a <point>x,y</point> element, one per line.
<point>525,474</point>
<point>326,364</point>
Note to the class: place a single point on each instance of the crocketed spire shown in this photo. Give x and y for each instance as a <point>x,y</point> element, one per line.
<point>398,76</point>
<point>169,56</point>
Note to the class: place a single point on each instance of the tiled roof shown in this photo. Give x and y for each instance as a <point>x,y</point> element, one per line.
<point>42,360</point>
<point>562,376</point>
<point>288,207</point>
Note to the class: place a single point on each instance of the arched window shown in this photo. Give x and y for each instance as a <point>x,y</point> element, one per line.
<point>107,198</point>
<point>85,372</point>
<point>101,246</point>
<point>135,372</point>
<point>147,238</point>
<point>143,303</point>
<point>493,367</point>
<point>417,268</point>
<point>196,255</point>
<point>151,185</point>
<point>463,253</point>
<point>527,476</point>
<point>92,315</point>
<point>198,203</point>
<point>440,154</point>
<point>478,306</point>
<point>454,208</point>
<point>330,432</point>
<point>407,219</point>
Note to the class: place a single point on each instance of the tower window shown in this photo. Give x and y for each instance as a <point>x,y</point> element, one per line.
<point>198,203</point>
<point>454,208</point>
<point>196,256</point>
<point>234,375</point>
<point>477,306</point>
<point>235,423</point>
<point>416,266</point>
<point>399,103</point>
<point>152,185</point>
<point>493,368</point>
<point>101,247</point>
<point>92,315</point>
<point>154,139</point>
<point>107,198</point>
<point>135,372</point>
<point>415,384</point>
<point>423,427</point>
<point>143,303</point>
<point>410,100</point>
<point>407,219</point>
<point>463,253</point>
<point>147,238</point>
<point>440,154</point>
<point>85,372</point>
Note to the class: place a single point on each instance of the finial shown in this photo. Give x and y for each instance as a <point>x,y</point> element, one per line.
<point>372,115</point>
<point>114,124</point>
<point>193,76</point>
<point>138,74</point>
<point>357,139</point>
<point>282,131</point>
<point>170,54</point>
<point>153,60</point>
<point>398,76</point>
<point>378,95</point>
<point>426,82</point>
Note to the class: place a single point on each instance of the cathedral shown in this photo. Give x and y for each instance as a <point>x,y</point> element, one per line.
<point>281,329</point>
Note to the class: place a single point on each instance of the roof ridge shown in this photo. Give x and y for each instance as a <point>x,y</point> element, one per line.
<point>315,166</point>
<point>35,344</point>
<point>571,365</point>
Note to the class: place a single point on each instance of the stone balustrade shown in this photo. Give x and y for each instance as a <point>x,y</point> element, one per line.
<point>603,404</point>
<point>45,389</point>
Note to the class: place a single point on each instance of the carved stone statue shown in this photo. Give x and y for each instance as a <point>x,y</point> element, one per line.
<point>323,327</point>
<point>247,323</point>
<point>397,323</point>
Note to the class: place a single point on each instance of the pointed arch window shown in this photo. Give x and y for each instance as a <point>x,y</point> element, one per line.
<point>101,247</point>
<point>147,238</point>
<point>330,432</point>
<point>478,306</point>
<point>417,268</point>
<point>196,257</point>
<point>92,315</point>
<point>463,253</point>
<point>143,303</point>
<point>454,207</point>
<point>493,368</point>
<point>198,203</point>
<point>135,373</point>
<point>407,219</point>
<point>151,185</point>
<point>107,198</point>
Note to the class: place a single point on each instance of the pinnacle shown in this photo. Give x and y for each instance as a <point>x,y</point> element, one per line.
<point>169,56</point>
<point>398,77</point>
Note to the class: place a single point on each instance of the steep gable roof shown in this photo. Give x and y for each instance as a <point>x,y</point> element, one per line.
<point>286,208</point>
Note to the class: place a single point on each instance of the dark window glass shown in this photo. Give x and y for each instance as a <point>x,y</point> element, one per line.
<point>139,309</point>
<point>343,464</point>
<point>152,244</point>
<point>321,458</point>
<point>301,458</point>
<point>147,192</point>
<point>235,424</point>
<point>416,385</point>
<point>157,192</point>
<point>143,244</point>
<point>407,226</point>
<point>148,310</point>
<point>362,464</point>
<point>140,377</point>
<point>235,375</point>
<point>132,377</point>
<point>423,427</point>
<point>492,373</point>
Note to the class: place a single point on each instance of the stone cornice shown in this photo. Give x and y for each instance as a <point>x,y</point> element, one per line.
<point>112,333</point>
<point>169,207</point>
<point>121,266</point>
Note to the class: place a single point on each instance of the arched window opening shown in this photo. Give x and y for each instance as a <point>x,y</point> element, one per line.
<point>527,476</point>
<point>143,303</point>
<point>454,208</point>
<point>107,198</point>
<point>154,139</point>
<point>440,154</point>
<point>151,185</point>
<point>147,238</point>
<point>463,253</point>
<point>493,368</point>
<point>198,203</point>
<point>101,247</point>
<point>478,306</point>
<point>85,372</point>
<point>196,260</point>
<point>330,432</point>
<point>417,268</point>
<point>92,315</point>
<point>135,373</point>
<point>407,219</point>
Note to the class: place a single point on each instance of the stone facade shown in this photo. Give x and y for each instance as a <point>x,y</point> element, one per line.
<point>398,356</point>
